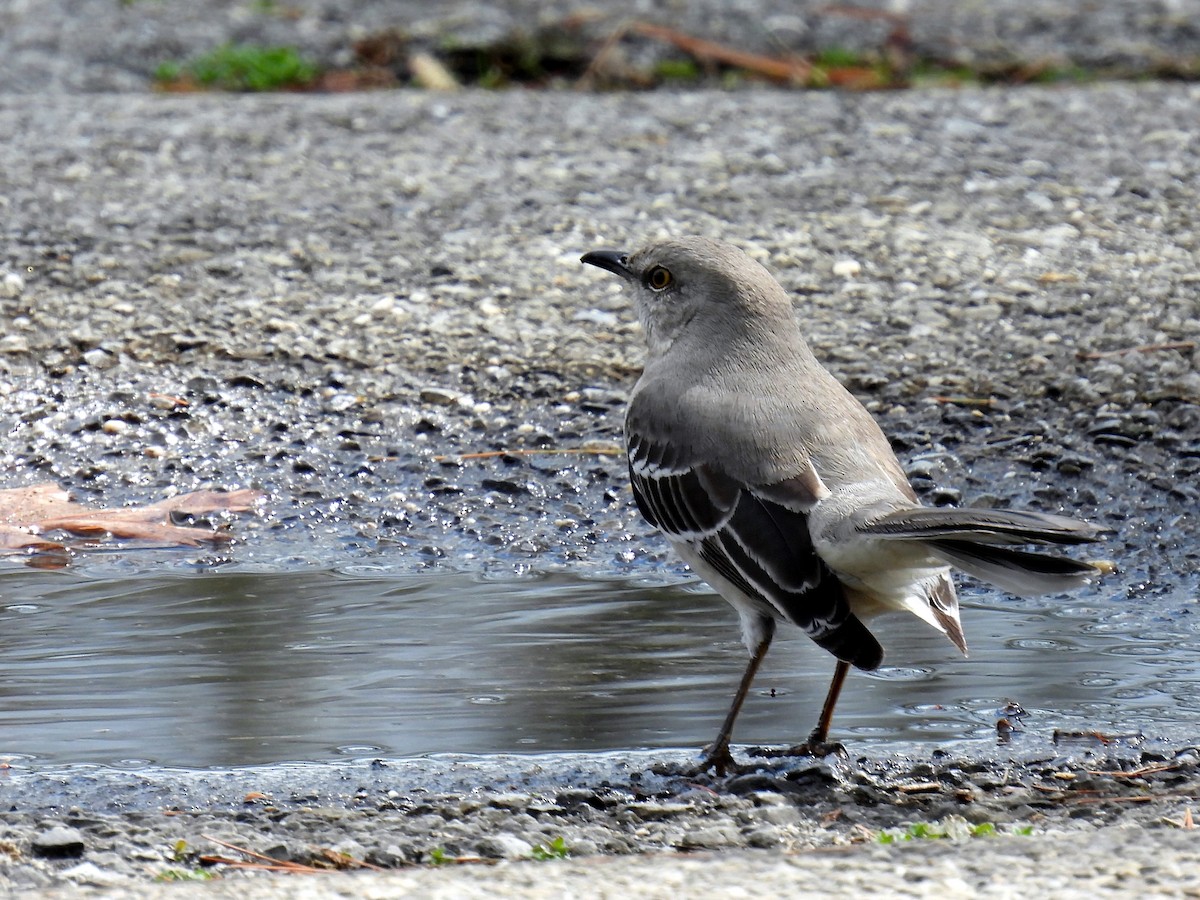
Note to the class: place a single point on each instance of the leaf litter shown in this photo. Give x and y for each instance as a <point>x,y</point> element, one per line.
<point>29,514</point>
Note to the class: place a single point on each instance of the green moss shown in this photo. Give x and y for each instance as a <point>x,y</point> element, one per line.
<point>171,875</point>
<point>242,67</point>
<point>932,74</point>
<point>677,70</point>
<point>840,58</point>
<point>1061,74</point>
<point>952,828</point>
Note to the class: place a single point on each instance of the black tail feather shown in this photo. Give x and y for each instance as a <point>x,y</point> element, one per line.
<point>1022,573</point>
<point>984,526</point>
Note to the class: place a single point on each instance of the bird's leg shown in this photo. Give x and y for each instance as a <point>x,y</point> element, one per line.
<point>818,742</point>
<point>716,755</point>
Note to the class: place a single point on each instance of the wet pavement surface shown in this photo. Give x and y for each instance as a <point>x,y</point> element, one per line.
<point>328,299</point>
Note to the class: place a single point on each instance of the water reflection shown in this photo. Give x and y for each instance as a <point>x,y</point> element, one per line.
<point>227,669</point>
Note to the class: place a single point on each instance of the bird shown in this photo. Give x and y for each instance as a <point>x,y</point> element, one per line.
<point>779,489</point>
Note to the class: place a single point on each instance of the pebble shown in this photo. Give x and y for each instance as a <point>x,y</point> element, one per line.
<point>712,837</point>
<point>12,285</point>
<point>14,343</point>
<point>847,268</point>
<point>441,396</point>
<point>99,358</point>
<point>59,842</point>
<point>504,846</point>
<point>87,873</point>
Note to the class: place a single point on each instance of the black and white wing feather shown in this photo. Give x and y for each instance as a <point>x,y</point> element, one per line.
<point>756,537</point>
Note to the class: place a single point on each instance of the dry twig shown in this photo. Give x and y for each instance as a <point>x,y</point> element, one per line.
<point>607,450</point>
<point>263,861</point>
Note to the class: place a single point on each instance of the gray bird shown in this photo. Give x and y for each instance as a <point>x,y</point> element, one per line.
<point>778,488</point>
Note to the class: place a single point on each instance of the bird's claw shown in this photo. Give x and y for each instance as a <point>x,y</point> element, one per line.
<point>718,758</point>
<point>715,758</point>
<point>815,747</point>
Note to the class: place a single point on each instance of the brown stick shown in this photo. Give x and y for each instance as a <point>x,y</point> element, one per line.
<point>283,864</point>
<point>775,68</point>
<point>965,401</point>
<point>1136,773</point>
<point>492,454</point>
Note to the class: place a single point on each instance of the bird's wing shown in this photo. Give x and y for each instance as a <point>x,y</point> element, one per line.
<point>755,536</point>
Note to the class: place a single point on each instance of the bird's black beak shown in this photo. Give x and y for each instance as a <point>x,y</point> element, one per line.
<point>615,261</point>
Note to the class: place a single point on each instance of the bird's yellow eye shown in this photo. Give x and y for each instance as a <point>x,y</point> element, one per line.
<point>658,279</point>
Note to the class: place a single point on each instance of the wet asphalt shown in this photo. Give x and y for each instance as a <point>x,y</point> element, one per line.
<point>350,295</point>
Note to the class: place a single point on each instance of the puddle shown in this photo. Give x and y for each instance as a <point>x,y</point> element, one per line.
<point>243,668</point>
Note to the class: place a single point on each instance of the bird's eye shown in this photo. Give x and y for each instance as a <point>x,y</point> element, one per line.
<point>658,279</point>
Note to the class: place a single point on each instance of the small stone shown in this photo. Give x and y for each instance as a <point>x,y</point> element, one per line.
<point>504,846</point>
<point>515,801</point>
<point>98,358</point>
<point>764,838</point>
<point>714,837</point>
<point>14,343</point>
<point>1074,464</point>
<point>11,285</point>
<point>945,496</point>
<point>777,815</point>
<point>91,874</point>
<point>59,842</point>
<point>847,268</point>
<point>653,810</point>
<point>115,426</point>
<point>440,396</point>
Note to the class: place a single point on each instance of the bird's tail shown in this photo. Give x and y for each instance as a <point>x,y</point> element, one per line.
<point>980,542</point>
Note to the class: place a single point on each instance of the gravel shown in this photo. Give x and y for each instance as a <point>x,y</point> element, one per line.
<point>352,292</point>
<point>437,819</point>
<point>101,46</point>
<point>347,305</point>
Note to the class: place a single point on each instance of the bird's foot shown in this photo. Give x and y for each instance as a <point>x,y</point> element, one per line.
<point>816,747</point>
<point>715,758</point>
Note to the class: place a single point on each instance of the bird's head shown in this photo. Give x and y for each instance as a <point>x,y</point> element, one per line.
<point>693,284</point>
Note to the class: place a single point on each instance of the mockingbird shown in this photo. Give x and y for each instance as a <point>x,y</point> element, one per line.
<point>778,488</point>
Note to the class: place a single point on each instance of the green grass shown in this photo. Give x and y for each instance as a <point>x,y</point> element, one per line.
<point>168,876</point>
<point>182,853</point>
<point>678,70</point>
<point>242,67</point>
<point>840,58</point>
<point>556,849</point>
<point>952,828</point>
